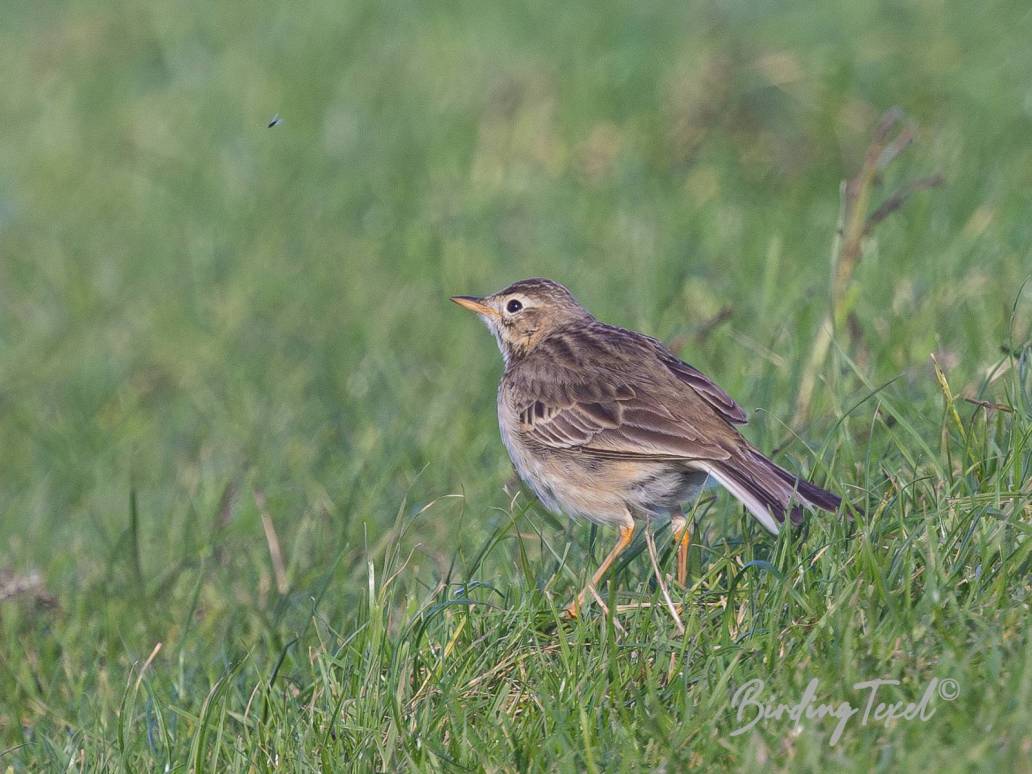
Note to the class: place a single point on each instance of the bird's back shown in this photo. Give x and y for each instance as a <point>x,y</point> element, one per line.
<point>592,360</point>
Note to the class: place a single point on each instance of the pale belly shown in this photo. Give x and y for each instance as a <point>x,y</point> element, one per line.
<point>604,491</point>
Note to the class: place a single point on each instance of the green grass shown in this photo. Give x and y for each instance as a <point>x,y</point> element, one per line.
<point>217,337</point>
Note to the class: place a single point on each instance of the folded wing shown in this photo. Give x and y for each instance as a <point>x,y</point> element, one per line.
<point>613,420</point>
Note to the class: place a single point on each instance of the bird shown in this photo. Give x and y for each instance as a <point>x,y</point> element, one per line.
<point>606,424</point>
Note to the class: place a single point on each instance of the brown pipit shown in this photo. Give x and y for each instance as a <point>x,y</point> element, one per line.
<point>609,425</point>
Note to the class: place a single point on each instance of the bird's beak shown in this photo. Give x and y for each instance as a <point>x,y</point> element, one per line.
<point>474,304</point>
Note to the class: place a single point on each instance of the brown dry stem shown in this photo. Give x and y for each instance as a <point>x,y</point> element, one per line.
<point>857,221</point>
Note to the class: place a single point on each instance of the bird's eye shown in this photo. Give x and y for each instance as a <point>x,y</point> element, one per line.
<point>513,306</point>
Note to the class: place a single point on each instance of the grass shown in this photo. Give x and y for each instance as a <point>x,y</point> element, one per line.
<point>241,422</point>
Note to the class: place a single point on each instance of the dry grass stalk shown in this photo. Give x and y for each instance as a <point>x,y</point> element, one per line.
<point>857,221</point>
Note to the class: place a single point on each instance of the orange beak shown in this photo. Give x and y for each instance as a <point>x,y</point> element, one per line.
<point>474,304</point>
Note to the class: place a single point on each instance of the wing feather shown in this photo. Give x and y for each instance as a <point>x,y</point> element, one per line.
<point>615,405</point>
<point>707,389</point>
<point>626,426</point>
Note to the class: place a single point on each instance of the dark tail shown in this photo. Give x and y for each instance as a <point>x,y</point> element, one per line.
<point>768,490</point>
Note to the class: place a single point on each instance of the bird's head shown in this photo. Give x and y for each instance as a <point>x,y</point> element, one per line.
<point>524,313</point>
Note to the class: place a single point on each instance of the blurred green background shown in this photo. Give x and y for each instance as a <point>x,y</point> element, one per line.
<point>195,307</point>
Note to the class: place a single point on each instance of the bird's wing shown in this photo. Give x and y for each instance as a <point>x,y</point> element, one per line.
<point>604,417</point>
<point>704,386</point>
<point>688,375</point>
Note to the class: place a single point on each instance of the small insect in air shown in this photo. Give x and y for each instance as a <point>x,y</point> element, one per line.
<point>276,121</point>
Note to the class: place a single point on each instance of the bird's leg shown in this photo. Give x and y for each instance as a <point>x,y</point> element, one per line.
<point>682,531</point>
<point>659,579</point>
<point>626,536</point>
